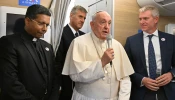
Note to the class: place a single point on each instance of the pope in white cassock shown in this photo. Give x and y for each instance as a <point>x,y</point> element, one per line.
<point>88,64</point>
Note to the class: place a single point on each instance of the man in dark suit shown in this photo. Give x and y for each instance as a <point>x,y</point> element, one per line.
<point>153,59</point>
<point>70,31</point>
<point>27,62</point>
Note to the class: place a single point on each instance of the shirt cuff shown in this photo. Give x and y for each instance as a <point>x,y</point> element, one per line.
<point>142,82</point>
<point>173,80</point>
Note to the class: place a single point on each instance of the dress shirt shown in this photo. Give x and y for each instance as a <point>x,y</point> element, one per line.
<point>73,30</point>
<point>156,45</point>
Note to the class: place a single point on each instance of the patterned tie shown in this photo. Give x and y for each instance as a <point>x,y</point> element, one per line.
<point>151,59</point>
<point>76,34</point>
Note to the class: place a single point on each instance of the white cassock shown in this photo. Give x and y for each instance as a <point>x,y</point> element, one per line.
<point>92,81</point>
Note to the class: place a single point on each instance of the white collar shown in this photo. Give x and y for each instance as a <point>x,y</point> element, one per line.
<point>155,33</point>
<point>34,39</point>
<point>73,30</point>
<point>96,38</point>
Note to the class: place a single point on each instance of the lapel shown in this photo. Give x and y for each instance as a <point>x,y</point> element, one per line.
<point>163,47</point>
<point>141,53</point>
<point>28,44</point>
<point>69,33</point>
<point>81,33</point>
<point>46,51</point>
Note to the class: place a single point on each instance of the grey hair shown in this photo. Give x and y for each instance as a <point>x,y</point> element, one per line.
<point>154,10</point>
<point>78,7</point>
<point>95,14</point>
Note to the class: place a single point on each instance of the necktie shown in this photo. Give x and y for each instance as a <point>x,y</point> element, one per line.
<point>40,54</point>
<point>76,34</point>
<point>151,59</point>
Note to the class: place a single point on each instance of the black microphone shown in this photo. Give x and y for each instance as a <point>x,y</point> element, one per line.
<point>109,41</point>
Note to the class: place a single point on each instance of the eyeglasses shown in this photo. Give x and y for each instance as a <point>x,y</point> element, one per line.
<point>40,23</point>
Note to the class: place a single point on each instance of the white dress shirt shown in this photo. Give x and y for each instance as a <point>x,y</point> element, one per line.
<point>73,30</point>
<point>156,45</point>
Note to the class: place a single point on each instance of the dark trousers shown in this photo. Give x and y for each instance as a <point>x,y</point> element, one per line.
<point>151,95</point>
<point>66,88</point>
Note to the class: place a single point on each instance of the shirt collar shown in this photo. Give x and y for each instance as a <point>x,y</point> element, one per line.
<point>73,30</point>
<point>28,36</point>
<point>155,33</point>
<point>97,39</point>
<point>34,39</point>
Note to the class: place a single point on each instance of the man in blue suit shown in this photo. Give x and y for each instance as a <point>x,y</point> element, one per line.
<point>146,83</point>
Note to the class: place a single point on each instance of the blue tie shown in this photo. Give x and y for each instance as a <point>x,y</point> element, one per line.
<point>151,59</point>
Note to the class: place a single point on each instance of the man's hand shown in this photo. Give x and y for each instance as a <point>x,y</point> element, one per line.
<point>150,83</point>
<point>164,79</point>
<point>107,56</point>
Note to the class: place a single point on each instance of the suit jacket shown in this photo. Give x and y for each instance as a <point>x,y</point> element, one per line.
<point>23,77</point>
<point>66,85</point>
<point>135,50</point>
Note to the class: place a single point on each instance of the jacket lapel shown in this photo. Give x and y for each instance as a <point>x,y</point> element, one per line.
<point>142,50</point>
<point>46,51</point>
<point>33,53</point>
<point>163,43</point>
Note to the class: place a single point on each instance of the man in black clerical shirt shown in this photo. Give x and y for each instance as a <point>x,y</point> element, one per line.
<point>28,73</point>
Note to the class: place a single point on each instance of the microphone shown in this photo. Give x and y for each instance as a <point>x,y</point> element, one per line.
<point>109,41</point>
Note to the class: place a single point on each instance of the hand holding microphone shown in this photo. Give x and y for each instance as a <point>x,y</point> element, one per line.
<point>109,41</point>
<point>108,55</point>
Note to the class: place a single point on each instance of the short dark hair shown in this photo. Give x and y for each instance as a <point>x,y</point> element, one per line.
<point>34,10</point>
